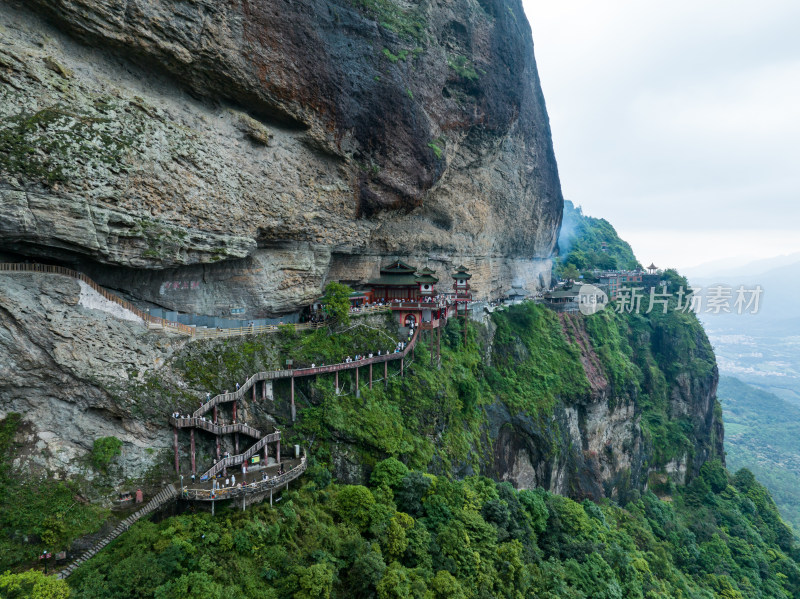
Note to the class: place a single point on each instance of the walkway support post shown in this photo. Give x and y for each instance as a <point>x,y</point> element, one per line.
<point>370,375</point>
<point>402,366</point>
<point>191,436</point>
<point>294,413</point>
<point>386,374</point>
<point>175,443</point>
<point>358,391</point>
<point>236,443</point>
<point>439,345</point>
<point>278,453</point>
<point>337,382</point>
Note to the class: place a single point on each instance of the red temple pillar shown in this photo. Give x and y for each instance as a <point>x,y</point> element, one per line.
<point>175,443</point>
<point>191,436</point>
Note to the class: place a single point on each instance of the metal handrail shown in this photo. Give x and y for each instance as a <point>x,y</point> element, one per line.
<point>235,460</point>
<point>256,487</point>
<point>300,372</point>
<point>217,429</point>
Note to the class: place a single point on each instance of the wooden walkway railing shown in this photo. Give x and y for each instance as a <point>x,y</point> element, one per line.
<point>301,372</point>
<point>68,272</point>
<point>235,460</point>
<point>250,489</point>
<point>166,495</point>
<point>217,429</point>
<point>154,322</point>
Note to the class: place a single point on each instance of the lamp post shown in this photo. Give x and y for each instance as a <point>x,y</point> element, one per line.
<point>44,556</point>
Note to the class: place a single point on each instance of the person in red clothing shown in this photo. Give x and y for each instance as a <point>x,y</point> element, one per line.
<point>139,496</point>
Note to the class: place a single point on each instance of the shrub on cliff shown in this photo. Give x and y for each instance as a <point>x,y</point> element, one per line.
<point>104,450</point>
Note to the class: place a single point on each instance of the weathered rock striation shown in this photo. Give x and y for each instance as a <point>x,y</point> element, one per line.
<point>274,145</point>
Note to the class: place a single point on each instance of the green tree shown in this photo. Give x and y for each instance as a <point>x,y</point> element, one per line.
<point>337,302</point>
<point>389,472</point>
<point>32,585</point>
<point>316,582</point>
<point>445,586</point>
<point>353,503</point>
<point>570,272</point>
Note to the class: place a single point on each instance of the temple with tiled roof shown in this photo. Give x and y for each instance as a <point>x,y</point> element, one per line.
<point>398,281</point>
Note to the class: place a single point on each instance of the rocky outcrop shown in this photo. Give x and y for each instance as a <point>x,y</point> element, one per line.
<point>69,358</point>
<point>275,145</point>
<point>595,446</point>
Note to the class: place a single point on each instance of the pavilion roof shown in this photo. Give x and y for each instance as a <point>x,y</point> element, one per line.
<point>461,273</point>
<point>426,275</point>
<point>398,267</point>
<point>390,280</point>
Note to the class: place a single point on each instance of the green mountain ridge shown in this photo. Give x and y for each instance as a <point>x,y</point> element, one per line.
<point>761,435</point>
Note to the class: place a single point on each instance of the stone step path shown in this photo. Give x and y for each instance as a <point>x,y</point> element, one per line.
<point>164,496</point>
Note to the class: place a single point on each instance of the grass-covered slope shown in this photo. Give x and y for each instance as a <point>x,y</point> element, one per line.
<point>413,535</point>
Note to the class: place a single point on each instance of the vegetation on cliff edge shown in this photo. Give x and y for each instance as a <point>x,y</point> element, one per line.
<point>414,535</point>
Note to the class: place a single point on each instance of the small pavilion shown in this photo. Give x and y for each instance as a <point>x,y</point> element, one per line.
<point>427,280</point>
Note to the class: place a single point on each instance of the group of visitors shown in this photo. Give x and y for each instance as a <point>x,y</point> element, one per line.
<point>230,482</point>
<point>126,496</point>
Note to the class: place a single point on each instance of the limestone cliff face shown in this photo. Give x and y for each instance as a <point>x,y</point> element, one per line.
<point>65,350</point>
<point>274,145</point>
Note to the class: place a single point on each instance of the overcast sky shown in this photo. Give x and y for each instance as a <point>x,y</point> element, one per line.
<point>677,121</point>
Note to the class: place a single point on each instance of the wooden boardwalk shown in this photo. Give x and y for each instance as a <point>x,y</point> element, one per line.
<point>161,324</point>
